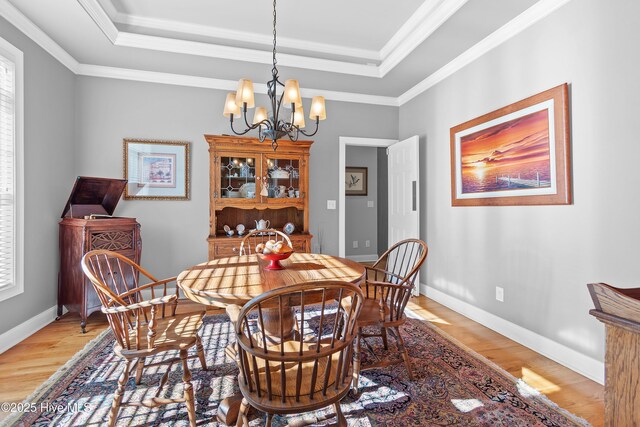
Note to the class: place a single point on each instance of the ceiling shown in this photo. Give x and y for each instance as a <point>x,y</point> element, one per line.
<point>371,47</point>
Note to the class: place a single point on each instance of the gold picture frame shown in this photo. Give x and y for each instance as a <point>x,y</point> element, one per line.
<point>156,169</point>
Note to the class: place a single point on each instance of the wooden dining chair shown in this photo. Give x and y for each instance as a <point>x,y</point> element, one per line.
<point>388,285</point>
<point>251,240</point>
<point>313,370</point>
<point>144,327</point>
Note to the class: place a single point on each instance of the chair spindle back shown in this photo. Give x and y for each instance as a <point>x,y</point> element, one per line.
<point>317,360</point>
<point>392,277</point>
<point>115,279</point>
<point>251,240</point>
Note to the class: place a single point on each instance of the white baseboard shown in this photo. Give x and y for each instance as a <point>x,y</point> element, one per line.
<point>578,362</point>
<point>363,258</point>
<point>27,328</point>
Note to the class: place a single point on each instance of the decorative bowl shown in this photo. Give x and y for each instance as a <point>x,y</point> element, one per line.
<point>274,260</point>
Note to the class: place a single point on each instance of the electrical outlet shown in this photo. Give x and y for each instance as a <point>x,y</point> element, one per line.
<point>367,243</point>
<point>331,204</point>
<point>500,294</point>
<point>369,203</point>
<point>355,244</point>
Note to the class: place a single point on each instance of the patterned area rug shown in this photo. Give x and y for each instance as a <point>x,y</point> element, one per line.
<point>454,386</point>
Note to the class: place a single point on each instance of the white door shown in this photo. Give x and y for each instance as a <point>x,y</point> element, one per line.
<point>404,191</point>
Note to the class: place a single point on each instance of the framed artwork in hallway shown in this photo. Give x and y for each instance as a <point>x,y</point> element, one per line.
<point>355,181</point>
<point>517,155</point>
<point>156,170</point>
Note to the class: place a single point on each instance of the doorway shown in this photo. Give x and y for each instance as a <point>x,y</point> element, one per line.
<point>400,218</point>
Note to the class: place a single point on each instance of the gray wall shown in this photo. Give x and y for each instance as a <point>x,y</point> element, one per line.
<point>174,233</point>
<point>543,256</point>
<point>49,172</point>
<point>361,222</point>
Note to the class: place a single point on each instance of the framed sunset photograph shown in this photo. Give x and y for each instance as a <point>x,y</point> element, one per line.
<point>517,155</point>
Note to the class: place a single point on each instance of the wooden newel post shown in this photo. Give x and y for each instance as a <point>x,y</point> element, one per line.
<point>619,310</point>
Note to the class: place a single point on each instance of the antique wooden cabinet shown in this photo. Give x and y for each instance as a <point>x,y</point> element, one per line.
<point>243,168</point>
<point>87,224</point>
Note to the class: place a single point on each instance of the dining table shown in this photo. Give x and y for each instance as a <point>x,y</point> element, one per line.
<point>236,280</point>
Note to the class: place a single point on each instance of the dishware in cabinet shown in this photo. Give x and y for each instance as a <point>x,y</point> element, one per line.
<point>236,177</point>
<point>284,176</point>
<point>249,182</point>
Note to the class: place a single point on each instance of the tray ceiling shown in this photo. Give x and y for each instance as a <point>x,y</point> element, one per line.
<point>368,47</point>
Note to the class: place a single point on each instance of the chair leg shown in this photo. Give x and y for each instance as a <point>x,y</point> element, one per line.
<point>117,396</point>
<point>384,338</point>
<point>139,369</point>
<point>188,389</point>
<point>269,420</point>
<point>201,355</point>
<point>243,420</point>
<point>403,350</point>
<point>342,421</point>
<point>356,365</point>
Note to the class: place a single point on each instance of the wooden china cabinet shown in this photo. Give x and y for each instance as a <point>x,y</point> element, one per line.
<point>240,169</point>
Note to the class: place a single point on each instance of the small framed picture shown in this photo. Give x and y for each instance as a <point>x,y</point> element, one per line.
<point>355,181</point>
<point>156,170</point>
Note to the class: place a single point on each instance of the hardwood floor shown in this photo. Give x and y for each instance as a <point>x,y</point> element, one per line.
<point>24,367</point>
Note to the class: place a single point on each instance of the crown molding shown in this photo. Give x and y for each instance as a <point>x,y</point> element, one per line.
<point>512,28</point>
<point>527,18</point>
<point>242,36</point>
<point>166,44</point>
<point>101,18</point>
<point>424,22</point>
<point>219,84</point>
<point>242,54</point>
<point>31,30</point>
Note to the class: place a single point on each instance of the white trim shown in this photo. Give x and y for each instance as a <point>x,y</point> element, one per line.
<point>27,328</point>
<point>512,28</point>
<point>572,359</point>
<point>16,56</point>
<point>155,77</point>
<point>165,44</point>
<point>101,18</point>
<point>363,258</point>
<point>427,19</point>
<point>211,83</point>
<point>31,30</point>
<point>342,154</point>
<point>242,36</point>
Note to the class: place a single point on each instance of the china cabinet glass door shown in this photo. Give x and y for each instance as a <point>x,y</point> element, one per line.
<point>282,178</point>
<point>238,177</point>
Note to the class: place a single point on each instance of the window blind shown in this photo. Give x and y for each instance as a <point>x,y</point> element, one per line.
<point>7,172</point>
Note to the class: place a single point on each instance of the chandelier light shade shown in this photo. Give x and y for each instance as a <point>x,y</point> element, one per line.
<point>260,115</point>
<point>298,117</point>
<point>317,108</point>
<point>244,95</point>
<point>275,124</point>
<point>230,106</point>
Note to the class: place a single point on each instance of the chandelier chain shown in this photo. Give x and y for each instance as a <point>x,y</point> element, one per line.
<point>274,70</point>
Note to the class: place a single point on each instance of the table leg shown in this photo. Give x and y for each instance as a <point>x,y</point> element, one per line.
<point>229,408</point>
<point>271,318</point>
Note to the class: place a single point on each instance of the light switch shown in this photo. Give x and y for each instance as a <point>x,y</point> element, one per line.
<point>369,203</point>
<point>331,204</point>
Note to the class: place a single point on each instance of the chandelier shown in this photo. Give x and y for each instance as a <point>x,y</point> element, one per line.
<point>280,123</point>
